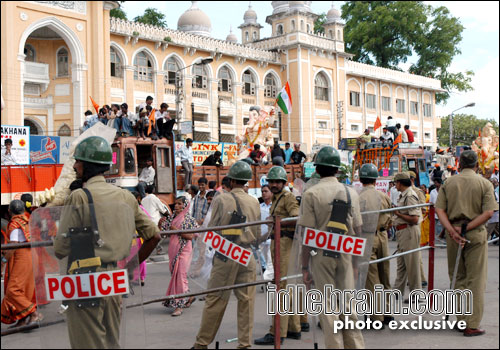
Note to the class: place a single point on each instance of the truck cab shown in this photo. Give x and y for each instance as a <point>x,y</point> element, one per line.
<point>129,158</point>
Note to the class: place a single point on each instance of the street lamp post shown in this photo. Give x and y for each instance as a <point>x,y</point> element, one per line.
<point>472,104</point>
<point>179,85</point>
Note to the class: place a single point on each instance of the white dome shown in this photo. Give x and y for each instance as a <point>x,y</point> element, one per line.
<point>250,16</point>
<point>231,37</point>
<point>300,5</point>
<point>333,15</point>
<point>195,21</point>
<point>279,6</point>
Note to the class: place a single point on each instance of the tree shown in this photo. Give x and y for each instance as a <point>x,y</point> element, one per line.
<point>387,33</point>
<point>153,17</point>
<point>319,24</point>
<point>118,13</point>
<point>465,129</point>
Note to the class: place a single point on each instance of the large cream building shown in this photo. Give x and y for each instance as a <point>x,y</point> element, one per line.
<point>55,54</point>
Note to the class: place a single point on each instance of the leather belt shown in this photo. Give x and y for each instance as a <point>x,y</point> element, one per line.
<point>460,222</point>
<point>289,234</point>
<point>401,227</point>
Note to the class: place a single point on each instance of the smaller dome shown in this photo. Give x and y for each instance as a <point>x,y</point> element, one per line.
<point>231,37</point>
<point>250,16</point>
<point>333,15</point>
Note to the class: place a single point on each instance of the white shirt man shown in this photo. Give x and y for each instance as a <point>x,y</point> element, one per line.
<point>8,158</point>
<point>154,206</point>
<point>186,154</point>
<point>147,175</point>
<point>391,122</point>
<point>386,135</point>
<point>394,194</point>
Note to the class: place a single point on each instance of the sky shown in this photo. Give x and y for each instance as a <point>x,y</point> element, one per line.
<point>479,44</point>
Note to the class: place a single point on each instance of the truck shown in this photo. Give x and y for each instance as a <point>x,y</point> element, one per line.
<point>391,159</point>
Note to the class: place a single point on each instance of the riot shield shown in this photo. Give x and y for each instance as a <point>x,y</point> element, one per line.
<point>332,248</point>
<point>84,281</point>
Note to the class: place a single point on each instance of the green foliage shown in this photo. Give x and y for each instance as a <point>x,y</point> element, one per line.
<point>118,13</point>
<point>465,129</point>
<point>387,33</point>
<point>344,172</point>
<point>153,17</point>
<point>320,23</point>
<point>167,39</point>
<point>134,33</point>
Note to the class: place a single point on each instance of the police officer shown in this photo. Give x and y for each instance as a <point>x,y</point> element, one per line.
<point>97,325</point>
<point>465,203</point>
<point>421,200</point>
<point>377,200</point>
<point>227,272</point>
<point>407,224</point>
<point>316,209</point>
<point>283,205</point>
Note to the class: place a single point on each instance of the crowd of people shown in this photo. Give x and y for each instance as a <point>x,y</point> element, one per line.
<point>389,134</point>
<point>128,123</point>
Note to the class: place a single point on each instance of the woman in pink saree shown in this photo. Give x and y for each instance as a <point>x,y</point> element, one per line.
<point>179,253</point>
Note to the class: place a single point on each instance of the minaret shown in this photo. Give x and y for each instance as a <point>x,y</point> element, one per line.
<point>334,27</point>
<point>250,29</point>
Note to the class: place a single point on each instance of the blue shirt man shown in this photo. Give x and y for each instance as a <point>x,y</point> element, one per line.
<point>288,153</point>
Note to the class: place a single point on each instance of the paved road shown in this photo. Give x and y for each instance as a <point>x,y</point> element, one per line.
<point>164,331</point>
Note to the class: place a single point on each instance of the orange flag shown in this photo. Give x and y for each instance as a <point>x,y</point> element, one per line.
<point>96,106</point>
<point>398,139</point>
<point>377,125</point>
<point>152,120</point>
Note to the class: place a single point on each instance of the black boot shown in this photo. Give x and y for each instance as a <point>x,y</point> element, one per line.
<point>268,339</point>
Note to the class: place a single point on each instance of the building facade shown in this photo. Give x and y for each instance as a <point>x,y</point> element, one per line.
<point>55,54</point>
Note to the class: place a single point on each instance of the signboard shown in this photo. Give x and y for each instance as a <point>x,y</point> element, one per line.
<point>348,144</point>
<point>20,151</point>
<point>44,149</point>
<point>87,285</point>
<point>381,185</point>
<point>186,127</point>
<point>201,150</point>
<point>309,169</point>
<point>334,242</point>
<point>65,145</point>
<point>227,248</point>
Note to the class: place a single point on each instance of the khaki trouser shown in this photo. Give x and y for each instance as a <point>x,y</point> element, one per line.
<point>408,265</point>
<point>472,271</point>
<point>339,273</point>
<point>379,273</point>
<point>95,327</point>
<point>287,322</point>
<point>225,274</point>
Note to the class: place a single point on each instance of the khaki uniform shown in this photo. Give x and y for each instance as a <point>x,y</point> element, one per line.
<point>98,327</point>
<point>408,238</point>
<point>421,200</point>
<point>464,197</point>
<point>230,272</point>
<point>285,205</point>
<point>378,273</point>
<point>315,211</point>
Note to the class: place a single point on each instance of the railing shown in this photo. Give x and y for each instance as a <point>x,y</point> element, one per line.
<point>198,94</point>
<point>36,72</point>
<point>249,101</point>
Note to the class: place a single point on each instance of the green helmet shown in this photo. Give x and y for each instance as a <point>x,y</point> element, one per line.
<point>368,171</point>
<point>277,173</point>
<point>240,171</point>
<point>94,149</point>
<point>328,156</point>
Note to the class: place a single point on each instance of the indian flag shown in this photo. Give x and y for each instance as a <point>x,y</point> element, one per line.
<point>284,99</point>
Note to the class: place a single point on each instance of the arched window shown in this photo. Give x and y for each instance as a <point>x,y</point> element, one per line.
<point>34,127</point>
<point>271,86</point>
<point>116,63</point>
<point>321,87</point>
<point>248,83</point>
<point>279,29</point>
<point>254,35</point>
<point>64,130</point>
<point>225,80</point>
<point>246,36</point>
<point>302,25</point>
<point>200,76</point>
<point>330,34</point>
<point>30,53</point>
<point>171,66</point>
<point>338,35</point>
<point>143,67</point>
<point>293,24</point>
<point>62,62</point>
<point>308,28</point>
